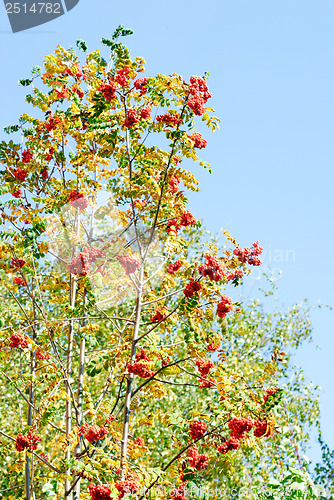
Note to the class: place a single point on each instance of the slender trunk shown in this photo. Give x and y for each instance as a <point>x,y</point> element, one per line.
<point>29,464</point>
<point>76,494</point>
<point>128,395</point>
<point>68,418</point>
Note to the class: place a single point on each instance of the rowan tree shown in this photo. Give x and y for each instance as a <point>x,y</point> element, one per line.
<point>111,314</point>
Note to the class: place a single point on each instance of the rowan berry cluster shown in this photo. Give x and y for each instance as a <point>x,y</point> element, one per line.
<point>213,268</point>
<point>131,118</point>
<point>17,194</point>
<point>158,316</point>
<point>140,368</point>
<point>212,346</point>
<point>108,90</point>
<point>130,263</point>
<point>261,428</point>
<point>196,460</point>
<point>173,267</point>
<point>19,281</point>
<point>95,433</point>
<point>83,429</point>
<point>40,355</point>
<point>249,255</point>
<point>18,340</point>
<point>19,263</point>
<point>145,112</point>
<point>29,442</point>
<point>180,492</point>
<point>173,184</point>
<point>198,140</point>
<point>187,219</point>
<point>238,274</point>
<point>20,174</point>
<point>142,356</point>
<point>165,361</point>
<point>199,90</point>
<point>99,492</point>
<point>240,426</point>
<point>49,155</point>
<point>224,306</point>
<point>78,200</point>
<point>269,393</point>
<point>197,429</point>
<point>75,71</point>
<point>52,123</point>
<point>44,173</point>
<point>139,442</point>
<point>204,367</point>
<point>110,419</point>
<point>192,288</point>
<point>81,263</point>
<point>27,156</point>
<point>140,85</point>
<point>170,119</point>
<point>206,384</point>
<point>123,74</point>
<point>127,486</point>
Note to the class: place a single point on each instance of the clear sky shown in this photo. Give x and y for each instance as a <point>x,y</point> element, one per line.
<point>272,76</point>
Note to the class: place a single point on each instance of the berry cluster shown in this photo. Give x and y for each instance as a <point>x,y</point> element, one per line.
<point>196,460</point>
<point>27,156</point>
<point>165,361</point>
<point>127,486</point>
<point>238,274</point>
<point>212,346</point>
<point>131,118</point>
<point>232,444</point>
<point>78,200</point>
<point>18,340</point>
<point>159,315</point>
<point>197,429</point>
<point>198,140</point>
<point>20,174</point>
<point>75,71</point>
<point>95,433</point>
<point>19,263</point>
<point>108,90</point>
<point>170,119</point>
<point>224,306</point>
<point>122,76</point>
<point>173,225</point>
<point>130,263</point>
<point>173,267</point>
<point>192,288</point>
<point>269,393</point>
<point>187,219</point>
<point>17,194</point>
<point>45,173</point>
<point>49,155</point>
<point>140,85</point>
<point>240,426</point>
<point>29,442</point>
<point>249,255</point>
<point>173,184</point>
<point>142,356</point>
<point>42,356</point>
<point>81,263</point>
<point>83,429</point>
<point>213,268</point>
<point>139,442</point>
<point>199,90</point>
<point>52,123</point>
<point>204,367</point>
<point>145,112</point>
<point>206,384</point>
<point>19,281</point>
<point>110,419</point>
<point>180,492</point>
<point>261,428</point>
<point>140,369</point>
<point>99,492</point>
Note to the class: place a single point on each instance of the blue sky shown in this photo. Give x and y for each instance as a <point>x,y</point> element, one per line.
<point>272,75</point>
